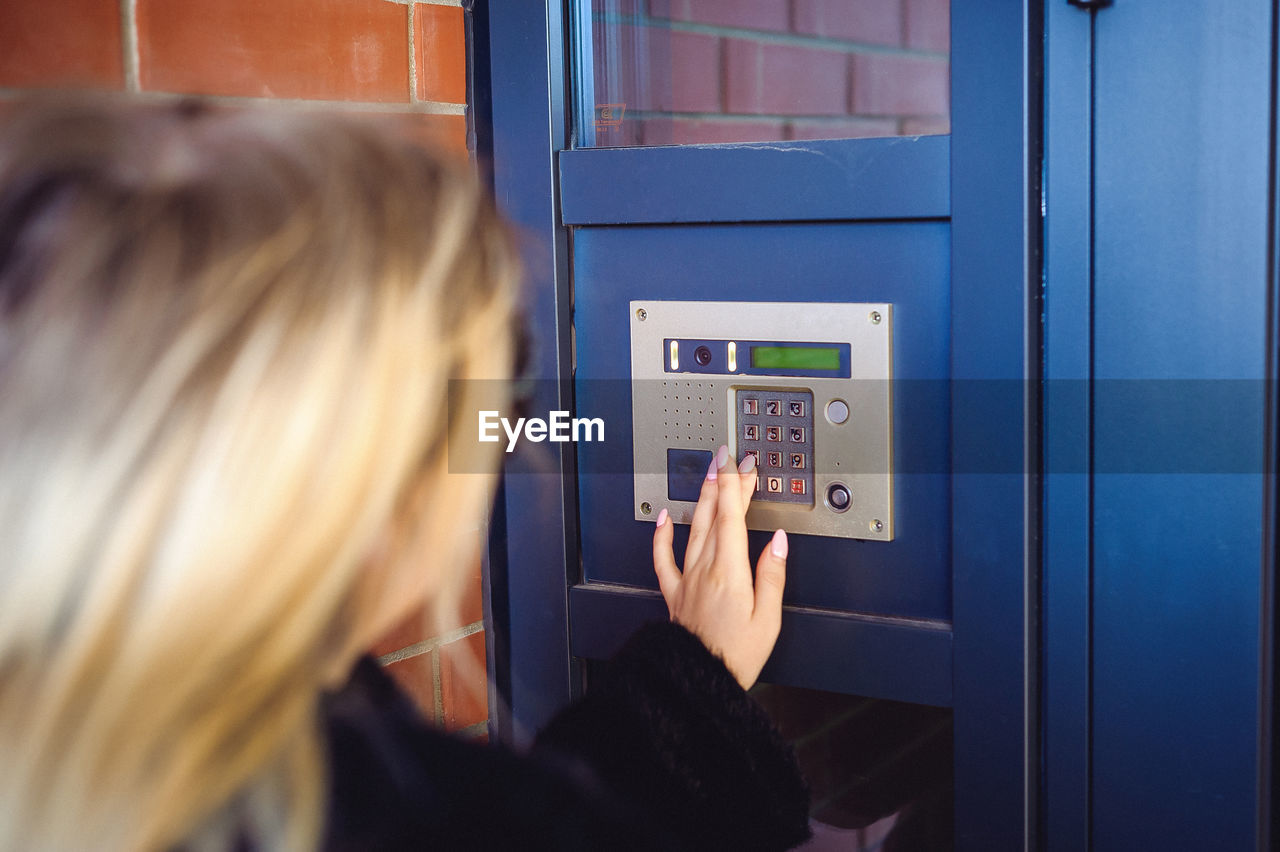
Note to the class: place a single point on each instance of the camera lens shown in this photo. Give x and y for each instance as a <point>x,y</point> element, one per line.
<point>702,355</point>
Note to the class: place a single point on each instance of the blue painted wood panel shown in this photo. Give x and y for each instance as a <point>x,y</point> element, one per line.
<point>1181,241</point>
<point>899,178</point>
<point>896,659</point>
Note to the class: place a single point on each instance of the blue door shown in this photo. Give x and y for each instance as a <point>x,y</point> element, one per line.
<point>1160,350</point>
<point>718,194</point>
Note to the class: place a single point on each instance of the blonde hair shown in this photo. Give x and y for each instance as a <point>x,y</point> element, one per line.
<point>225,344</point>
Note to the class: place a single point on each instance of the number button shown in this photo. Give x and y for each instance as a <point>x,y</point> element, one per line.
<point>797,486</point>
<point>750,405</point>
<point>774,485</point>
<point>773,407</point>
<point>773,459</point>
<point>755,456</point>
<point>751,432</point>
<point>796,408</point>
<point>797,434</point>
<point>797,461</point>
<point>773,433</point>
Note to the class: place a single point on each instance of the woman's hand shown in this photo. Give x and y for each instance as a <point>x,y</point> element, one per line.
<point>714,598</point>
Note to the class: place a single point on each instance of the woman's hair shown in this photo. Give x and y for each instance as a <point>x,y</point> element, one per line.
<point>226,340</point>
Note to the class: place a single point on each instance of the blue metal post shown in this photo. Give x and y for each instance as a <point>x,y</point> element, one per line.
<point>995,323</point>
<point>533,549</point>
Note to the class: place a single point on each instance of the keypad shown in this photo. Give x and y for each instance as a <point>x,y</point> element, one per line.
<point>776,426</point>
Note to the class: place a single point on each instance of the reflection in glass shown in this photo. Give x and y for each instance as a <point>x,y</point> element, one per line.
<point>703,71</point>
<point>880,772</point>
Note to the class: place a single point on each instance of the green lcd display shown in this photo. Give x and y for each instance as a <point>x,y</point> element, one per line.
<point>795,357</point>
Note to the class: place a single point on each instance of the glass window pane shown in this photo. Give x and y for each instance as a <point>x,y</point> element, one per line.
<point>667,72</point>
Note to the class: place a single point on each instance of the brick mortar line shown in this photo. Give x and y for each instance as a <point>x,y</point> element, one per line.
<point>771,36</point>
<point>474,730</point>
<point>419,648</point>
<point>437,694</point>
<point>745,118</point>
<point>401,107</point>
<point>457,4</point>
<point>129,44</point>
<point>413,58</point>
<point>416,107</point>
<point>904,23</point>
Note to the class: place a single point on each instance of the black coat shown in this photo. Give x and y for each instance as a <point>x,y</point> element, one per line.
<point>665,752</point>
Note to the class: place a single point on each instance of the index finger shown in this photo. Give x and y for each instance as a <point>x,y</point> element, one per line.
<point>731,527</point>
<point>749,479</point>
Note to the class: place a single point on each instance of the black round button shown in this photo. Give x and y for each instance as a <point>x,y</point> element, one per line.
<point>702,355</point>
<point>838,497</point>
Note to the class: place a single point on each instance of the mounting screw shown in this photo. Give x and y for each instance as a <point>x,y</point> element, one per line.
<point>875,317</point>
<point>876,525</point>
<point>645,508</point>
<point>642,314</point>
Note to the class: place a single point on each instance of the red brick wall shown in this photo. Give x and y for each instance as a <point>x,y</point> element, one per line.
<point>397,57</point>
<point>444,668</point>
<point>350,53</point>
<point>691,71</point>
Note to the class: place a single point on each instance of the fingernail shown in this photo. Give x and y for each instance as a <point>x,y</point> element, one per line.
<point>722,458</point>
<point>747,464</point>
<point>662,518</point>
<point>779,544</point>
<point>711,469</point>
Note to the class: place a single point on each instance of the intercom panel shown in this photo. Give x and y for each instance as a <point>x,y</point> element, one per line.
<point>805,388</point>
